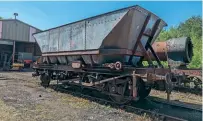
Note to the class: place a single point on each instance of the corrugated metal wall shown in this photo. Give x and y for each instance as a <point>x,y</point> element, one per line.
<point>0,29</point>
<point>21,33</point>
<point>31,38</point>
<point>17,30</point>
<point>14,30</point>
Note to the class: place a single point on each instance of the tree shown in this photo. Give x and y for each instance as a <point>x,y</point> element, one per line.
<point>191,28</point>
<point>168,34</point>
<point>1,17</point>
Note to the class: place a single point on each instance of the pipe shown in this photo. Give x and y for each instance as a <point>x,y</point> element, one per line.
<point>177,49</point>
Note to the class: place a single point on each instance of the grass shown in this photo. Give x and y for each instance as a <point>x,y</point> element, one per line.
<point>63,106</point>
<point>8,113</point>
<point>183,97</point>
<point>74,102</point>
<point>44,112</point>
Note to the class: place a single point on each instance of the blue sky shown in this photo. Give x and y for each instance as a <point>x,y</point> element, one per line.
<point>45,15</point>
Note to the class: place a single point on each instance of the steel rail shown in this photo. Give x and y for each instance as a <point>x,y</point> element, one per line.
<point>161,116</point>
<point>175,104</point>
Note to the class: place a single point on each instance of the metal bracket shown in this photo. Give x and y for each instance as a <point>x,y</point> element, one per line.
<point>134,85</point>
<point>148,45</point>
<point>154,54</point>
<point>169,86</point>
<point>139,37</point>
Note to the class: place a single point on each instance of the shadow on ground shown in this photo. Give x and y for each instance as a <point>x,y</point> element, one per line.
<point>146,104</point>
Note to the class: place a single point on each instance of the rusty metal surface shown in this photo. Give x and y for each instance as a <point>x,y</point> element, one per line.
<point>160,27</point>
<point>125,33</point>
<point>176,49</point>
<point>180,49</point>
<point>158,71</point>
<point>189,72</point>
<point>160,49</point>
<point>98,28</point>
<point>96,52</point>
<point>89,52</point>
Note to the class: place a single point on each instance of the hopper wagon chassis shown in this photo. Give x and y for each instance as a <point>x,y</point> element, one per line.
<point>130,82</point>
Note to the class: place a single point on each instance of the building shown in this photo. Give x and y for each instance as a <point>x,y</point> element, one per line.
<point>16,37</point>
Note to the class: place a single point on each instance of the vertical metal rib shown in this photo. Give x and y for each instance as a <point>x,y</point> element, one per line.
<point>139,37</point>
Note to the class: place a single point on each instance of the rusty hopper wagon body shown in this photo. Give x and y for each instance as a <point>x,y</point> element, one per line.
<point>104,52</point>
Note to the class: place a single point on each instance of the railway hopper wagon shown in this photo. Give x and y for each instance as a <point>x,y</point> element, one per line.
<point>104,52</point>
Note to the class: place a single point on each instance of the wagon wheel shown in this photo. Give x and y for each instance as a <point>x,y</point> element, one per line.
<point>45,80</point>
<point>102,86</point>
<point>119,92</point>
<point>142,90</point>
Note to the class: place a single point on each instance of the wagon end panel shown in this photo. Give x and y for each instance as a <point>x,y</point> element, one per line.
<point>125,33</point>
<point>42,40</point>
<point>100,27</point>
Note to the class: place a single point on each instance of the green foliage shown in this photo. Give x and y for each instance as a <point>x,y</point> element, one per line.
<point>164,63</point>
<point>191,28</point>
<point>168,34</point>
<point>1,17</point>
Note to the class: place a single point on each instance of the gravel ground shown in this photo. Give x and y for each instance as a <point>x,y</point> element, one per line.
<point>179,96</point>
<point>22,99</point>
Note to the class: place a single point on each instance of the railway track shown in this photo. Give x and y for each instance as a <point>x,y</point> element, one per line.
<point>190,90</point>
<point>185,90</point>
<point>179,89</point>
<point>177,104</point>
<point>158,110</point>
